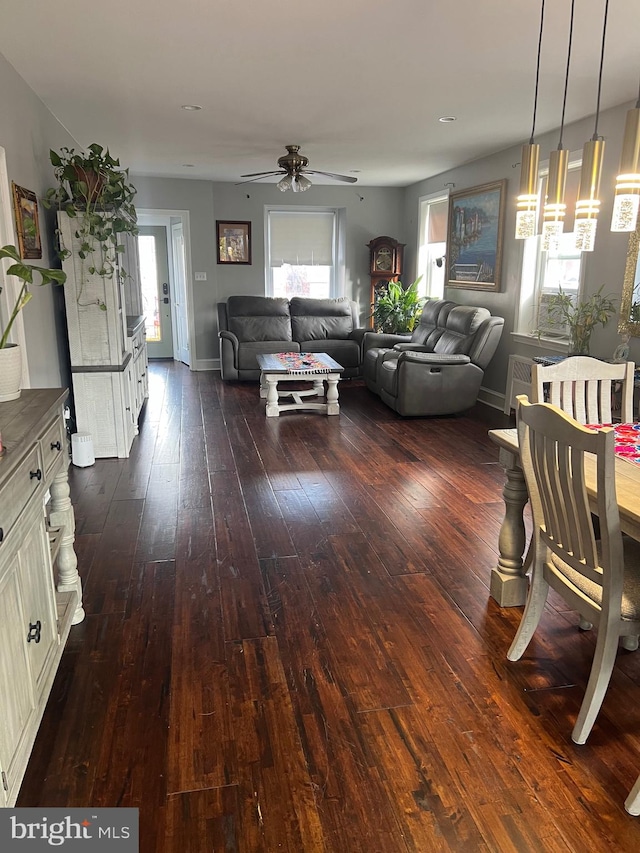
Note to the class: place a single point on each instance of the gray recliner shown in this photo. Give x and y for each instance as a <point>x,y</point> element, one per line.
<point>441,376</point>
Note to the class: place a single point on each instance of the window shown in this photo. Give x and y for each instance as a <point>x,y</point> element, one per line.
<point>432,244</point>
<point>305,255</point>
<point>545,273</point>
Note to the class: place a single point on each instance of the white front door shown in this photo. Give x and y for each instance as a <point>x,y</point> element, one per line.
<point>156,294</point>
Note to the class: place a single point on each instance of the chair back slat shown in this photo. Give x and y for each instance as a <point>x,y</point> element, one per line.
<point>553,448</point>
<point>583,387</point>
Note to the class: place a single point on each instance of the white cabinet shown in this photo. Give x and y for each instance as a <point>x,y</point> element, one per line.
<point>107,345</point>
<point>40,589</point>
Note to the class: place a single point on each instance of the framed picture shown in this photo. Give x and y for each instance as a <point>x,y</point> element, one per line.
<point>234,242</point>
<point>474,237</point>
<point>25,205</point>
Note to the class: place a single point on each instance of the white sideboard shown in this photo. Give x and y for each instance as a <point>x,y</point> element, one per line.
<point>107,345</point>
<point>40,589</point>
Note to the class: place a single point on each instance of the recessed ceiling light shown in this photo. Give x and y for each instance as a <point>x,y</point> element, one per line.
<point>191,107</point>
<point>445,119</point>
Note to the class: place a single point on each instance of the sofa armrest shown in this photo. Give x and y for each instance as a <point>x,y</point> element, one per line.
<point>229,336</point>
<point>432,358</point>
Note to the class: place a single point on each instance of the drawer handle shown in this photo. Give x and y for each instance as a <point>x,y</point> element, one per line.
<point>34,632</point>
<point>55,445</point>
<point>35,475</point>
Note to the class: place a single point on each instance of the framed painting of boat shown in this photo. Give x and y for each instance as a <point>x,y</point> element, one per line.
<point>474,237</point>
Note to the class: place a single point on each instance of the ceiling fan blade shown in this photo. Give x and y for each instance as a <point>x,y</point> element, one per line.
<point>262,174</point>
<point>259,176</point>
<point>346,178</point>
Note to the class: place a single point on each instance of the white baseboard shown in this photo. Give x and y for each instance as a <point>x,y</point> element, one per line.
<point>206,364</point>
<point>491,398</point>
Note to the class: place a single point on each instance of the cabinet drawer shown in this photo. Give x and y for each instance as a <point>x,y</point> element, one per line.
<point>53,444</point>
<point>26,482</point>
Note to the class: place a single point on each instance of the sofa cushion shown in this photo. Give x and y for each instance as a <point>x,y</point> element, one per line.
<point>259,318</point>
<point>462,322</point>
<point>249,349</point>
<point>430,327</point>
<point>346,353</point>
<point>319,319</point>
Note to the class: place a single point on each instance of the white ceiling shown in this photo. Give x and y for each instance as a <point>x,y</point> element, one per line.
<point>359,84</point>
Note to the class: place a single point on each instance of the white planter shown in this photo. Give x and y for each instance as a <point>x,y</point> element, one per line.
<point>10,372</point>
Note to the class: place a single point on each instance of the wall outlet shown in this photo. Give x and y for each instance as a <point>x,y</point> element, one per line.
<point>201,276</point>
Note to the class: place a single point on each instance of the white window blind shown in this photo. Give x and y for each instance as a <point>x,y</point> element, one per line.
<point>301,238</point>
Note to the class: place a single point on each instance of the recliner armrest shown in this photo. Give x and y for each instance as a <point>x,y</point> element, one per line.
<point>382,340</point>
<point>412,348</point>
<point>433,358</point>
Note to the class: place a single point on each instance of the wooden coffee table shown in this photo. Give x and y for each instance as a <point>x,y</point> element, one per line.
<point>314,367</point>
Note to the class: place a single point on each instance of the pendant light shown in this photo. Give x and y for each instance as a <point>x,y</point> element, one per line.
<point>555,207</point>
<point>588,203</point>
<point>627,197</point>
<point>527,204</point>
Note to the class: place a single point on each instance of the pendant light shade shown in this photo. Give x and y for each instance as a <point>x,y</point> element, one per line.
<point>588,203</point>
<point>285,184</point>
<point>527,204</point>
<point>627,198</point>
<point>555,208</point>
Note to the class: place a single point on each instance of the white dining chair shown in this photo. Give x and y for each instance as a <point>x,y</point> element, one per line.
<point>597,577</point>
<point>584,388</point>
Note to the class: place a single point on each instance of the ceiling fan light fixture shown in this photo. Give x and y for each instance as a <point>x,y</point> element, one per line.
<point>300,184</point>
<point>285,184</point>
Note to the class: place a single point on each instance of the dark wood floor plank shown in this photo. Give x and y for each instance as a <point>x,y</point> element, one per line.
<point>270,756</point>
<point>290,643</point>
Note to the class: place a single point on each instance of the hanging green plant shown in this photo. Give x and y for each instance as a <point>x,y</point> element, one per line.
<point>96,193</point>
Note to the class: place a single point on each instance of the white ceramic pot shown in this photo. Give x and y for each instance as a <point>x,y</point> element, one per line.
<point>10,372</point>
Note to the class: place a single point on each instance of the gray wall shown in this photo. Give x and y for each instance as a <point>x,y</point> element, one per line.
<point>605,266</point>
<point>27,132</point>
<point>380,212</point>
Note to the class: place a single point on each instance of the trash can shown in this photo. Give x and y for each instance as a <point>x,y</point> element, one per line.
<point>82,449</point>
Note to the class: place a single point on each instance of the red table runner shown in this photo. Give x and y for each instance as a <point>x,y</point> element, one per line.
<point>627,440</point>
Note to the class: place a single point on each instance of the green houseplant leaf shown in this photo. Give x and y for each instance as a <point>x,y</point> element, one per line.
<point>25,272</point>
<point>397,308</point>
<point>581,317</point>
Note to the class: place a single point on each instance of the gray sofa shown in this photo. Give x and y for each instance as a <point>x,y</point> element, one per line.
<point>439,369</point>
<point>249,325</point>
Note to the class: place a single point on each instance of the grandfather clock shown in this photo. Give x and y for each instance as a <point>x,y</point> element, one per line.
<point>385,263</point>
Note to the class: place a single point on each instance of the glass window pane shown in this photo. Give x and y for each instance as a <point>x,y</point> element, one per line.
<point>149,285</point>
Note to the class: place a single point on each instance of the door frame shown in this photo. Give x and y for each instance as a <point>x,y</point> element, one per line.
<point>162,217</point>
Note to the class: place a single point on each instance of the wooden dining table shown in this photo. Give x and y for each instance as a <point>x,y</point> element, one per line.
<point>509,582</point>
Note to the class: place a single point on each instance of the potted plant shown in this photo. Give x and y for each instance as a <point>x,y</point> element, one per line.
<point>10,357</point>
<point>397,308</point>
<point>581,317</point>
<point>94,191</point>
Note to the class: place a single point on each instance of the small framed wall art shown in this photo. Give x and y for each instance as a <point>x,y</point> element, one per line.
<point>474,239</point>
<point>25,205</point>
<point>234,242</point>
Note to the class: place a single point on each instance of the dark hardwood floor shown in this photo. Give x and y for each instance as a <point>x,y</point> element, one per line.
<point>290,645</point>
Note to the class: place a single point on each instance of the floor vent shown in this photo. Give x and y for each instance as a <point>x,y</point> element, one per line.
<point>518,380</point>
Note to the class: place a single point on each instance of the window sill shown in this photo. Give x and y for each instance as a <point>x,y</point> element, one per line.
<point>560,345</point>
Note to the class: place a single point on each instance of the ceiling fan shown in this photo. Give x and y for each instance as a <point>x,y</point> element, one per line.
<point>294,168</point>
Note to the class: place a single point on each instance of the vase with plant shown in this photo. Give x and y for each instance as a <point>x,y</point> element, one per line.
<point>581,317</point>
<point>397,308</point>
<point>95,192</point>
<point>10,356</point>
